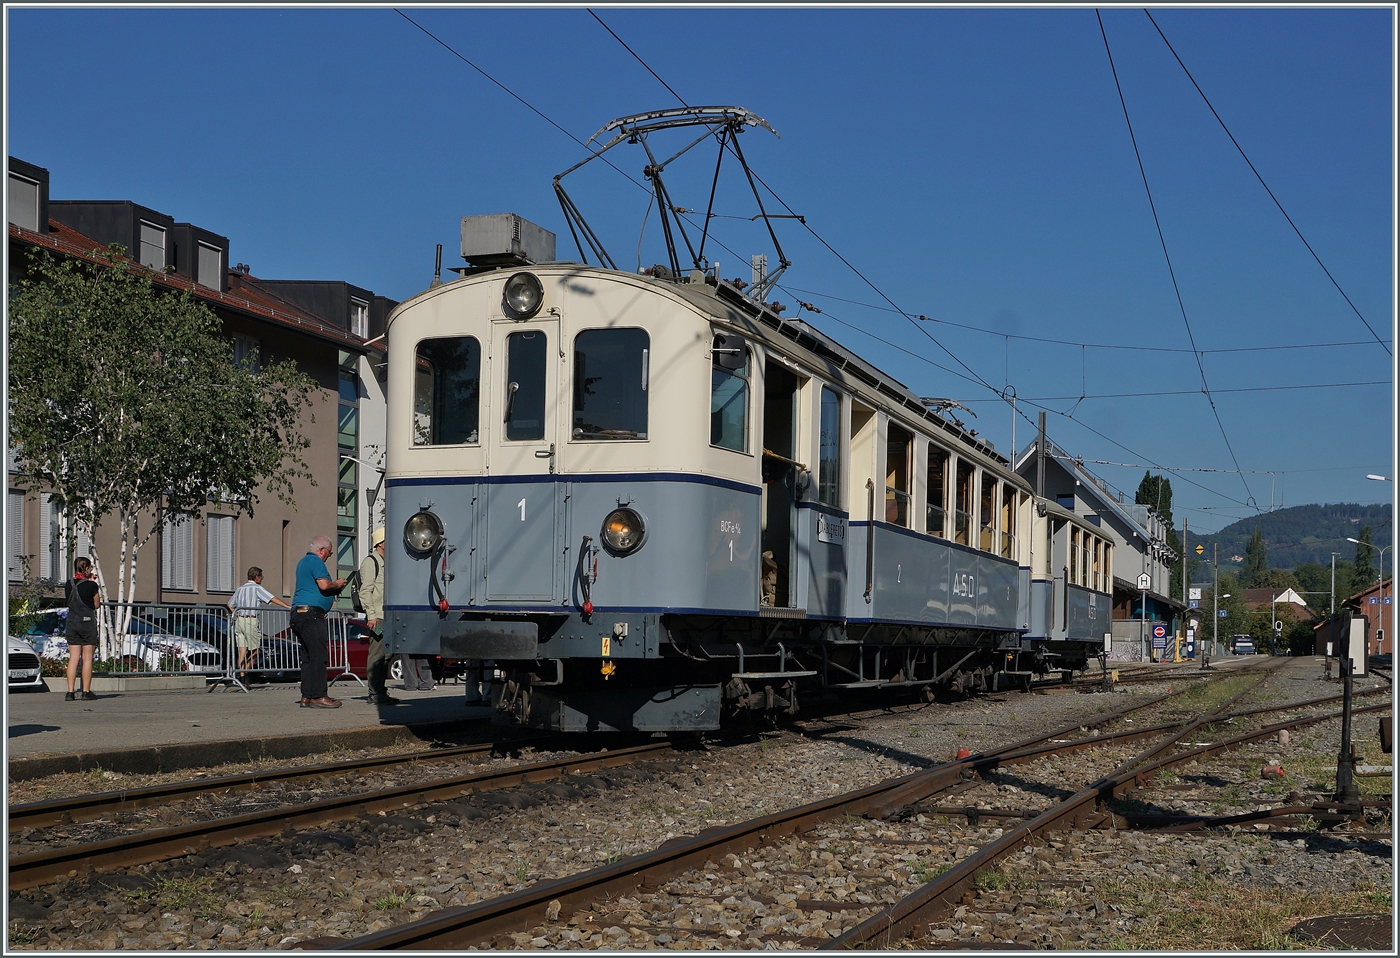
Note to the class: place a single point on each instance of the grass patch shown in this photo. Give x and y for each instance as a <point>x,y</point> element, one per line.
<point>925,872</point>
<point>180,894</point>
<point>1180,916</point>
<point>1211,695</point>
<point>993,879</point>
<point>23,936</point>
<point>390,902</point>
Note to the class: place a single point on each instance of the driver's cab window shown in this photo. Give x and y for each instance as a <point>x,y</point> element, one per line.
<point>729,393</point>
<point>527,353</point>
<point>446,391</point>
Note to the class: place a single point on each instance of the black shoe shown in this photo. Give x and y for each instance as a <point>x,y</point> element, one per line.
<point>385,699</point>
<point>69,697</point>
<point>88,696</point>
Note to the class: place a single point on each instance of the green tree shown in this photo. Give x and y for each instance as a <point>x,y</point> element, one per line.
<point>1256,560</point>
<point>1155,491</point>
<point>125,399</point>
<point>1363,574</point>
<point>1277,579</point>
<point>1237,619</point>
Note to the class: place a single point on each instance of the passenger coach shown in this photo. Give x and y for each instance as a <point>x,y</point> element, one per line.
<point>650,501</point>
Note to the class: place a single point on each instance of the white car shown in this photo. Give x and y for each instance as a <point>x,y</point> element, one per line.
<point>146,645</point>
<point>23,664</point>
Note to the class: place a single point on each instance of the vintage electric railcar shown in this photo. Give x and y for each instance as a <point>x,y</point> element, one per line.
<point>651,502</point>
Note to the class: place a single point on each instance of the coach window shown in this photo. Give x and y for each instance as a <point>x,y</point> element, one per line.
<point>962,504</point>
<point>446,391</point>
<point>1074,555</point>
<point>936,513</point>
<point>611,369</point>
<point>729,394</point>
<point>1098,566</point>
<point>526,356</point>
<point>829,458</point>
<point>1008,520</point>
<point>987,513</point>
<point>1084,559</point>
<point>897,457</point>
<point>1107,567</point>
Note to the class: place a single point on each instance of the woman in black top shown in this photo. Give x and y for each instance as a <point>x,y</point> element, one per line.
<point>81,631</point>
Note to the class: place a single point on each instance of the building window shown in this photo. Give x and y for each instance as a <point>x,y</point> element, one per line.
<point>359,318</point>
<point>247,352</point>
<point>53,540</point>
<point>177,554</point>
<point>14,535</point>
<point>24,202</point>
<point>829,455</point>
<point>897,456</point>
<point>447,392</point>
<point>219,558</point>
<point>1066,502</point>
<point>611,369</point>
<point>729,394</point>
<point>152,246</point>
<point>210,270</point>
<point>347,486</point>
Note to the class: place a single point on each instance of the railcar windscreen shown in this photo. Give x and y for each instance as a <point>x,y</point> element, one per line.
<point>611,368</point>
<point>446,391</point>
<point>527,355</point>
<point>729,394</point>
<point>829,465</point>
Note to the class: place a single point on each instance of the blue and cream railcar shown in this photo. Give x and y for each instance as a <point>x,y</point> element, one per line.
<point>651,502</point>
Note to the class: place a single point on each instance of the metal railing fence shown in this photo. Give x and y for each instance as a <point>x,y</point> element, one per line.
<point>141,638</point>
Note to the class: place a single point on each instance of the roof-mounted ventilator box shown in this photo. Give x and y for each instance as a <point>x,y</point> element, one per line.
<point>503,239</point>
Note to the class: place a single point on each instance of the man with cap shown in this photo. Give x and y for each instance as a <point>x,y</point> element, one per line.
<point>372,597</point>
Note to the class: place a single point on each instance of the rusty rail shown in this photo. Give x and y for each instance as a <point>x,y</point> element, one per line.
<point>26,871</point>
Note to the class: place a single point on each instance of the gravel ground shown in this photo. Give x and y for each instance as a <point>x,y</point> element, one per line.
<point>374,872</point>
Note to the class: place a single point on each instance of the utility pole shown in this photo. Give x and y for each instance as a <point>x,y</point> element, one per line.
<point>1215,598</point>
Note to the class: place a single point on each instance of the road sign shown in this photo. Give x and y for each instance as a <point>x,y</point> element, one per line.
<point>1373,601</point>
<point>1223,613</point>
<point>1200,549</point>
<point>1195,603</point>
<point>1144,582</point>
<point>1159,631</point>
<point>1193,594</point>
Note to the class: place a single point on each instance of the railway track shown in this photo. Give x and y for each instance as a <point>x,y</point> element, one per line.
<point>550,903</point>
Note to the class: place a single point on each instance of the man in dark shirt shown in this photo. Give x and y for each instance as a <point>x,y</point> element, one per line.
<point>81,629</point>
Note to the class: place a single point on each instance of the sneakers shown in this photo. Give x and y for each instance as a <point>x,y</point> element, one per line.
<point>385,699</point>
<point>89,696</point>
<point>69,697</point>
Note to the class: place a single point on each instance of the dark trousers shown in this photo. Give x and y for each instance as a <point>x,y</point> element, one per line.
<point>377,667</point>
<point>310,629</point>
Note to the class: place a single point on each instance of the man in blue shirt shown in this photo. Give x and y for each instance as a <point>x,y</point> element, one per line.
<point>315,592</point>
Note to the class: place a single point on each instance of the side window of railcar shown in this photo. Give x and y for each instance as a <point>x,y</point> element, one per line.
<point>1074,554</point>
<point>935,516</point>
<point>1008,520</point>
<point>729,394</point>
<point>1107,567</point>
<point>829,462</point>
<point>611,369</point>
<point>526,361</point>
<point>1098,565</point>
<point>446,391</point>
<point>962,504</point>
<point>987,512</point>
<point>897,461</point>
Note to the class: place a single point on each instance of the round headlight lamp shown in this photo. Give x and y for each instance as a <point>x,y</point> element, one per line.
<point>622,532</point>
<point>523,296</point>
<point>422,534</point>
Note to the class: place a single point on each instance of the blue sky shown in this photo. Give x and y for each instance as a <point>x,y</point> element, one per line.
<point>973,165</point>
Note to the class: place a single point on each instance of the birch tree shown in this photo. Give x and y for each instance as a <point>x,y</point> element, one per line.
<point>125,402</point>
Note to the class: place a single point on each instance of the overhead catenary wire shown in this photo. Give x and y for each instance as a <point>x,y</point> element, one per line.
<point>1260,178</point>
<point>974,377</point>
<point>1176,288</point>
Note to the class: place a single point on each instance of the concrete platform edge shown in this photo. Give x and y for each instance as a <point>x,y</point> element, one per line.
<point>169,758</point>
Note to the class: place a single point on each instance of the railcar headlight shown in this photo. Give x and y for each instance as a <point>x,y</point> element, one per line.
<point>622,531</point>
<point>422,533</point>
<point>523,296</point>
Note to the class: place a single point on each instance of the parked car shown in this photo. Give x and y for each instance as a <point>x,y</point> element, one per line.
<point>23,664</point>
<point>276,659</point>
<point>145,645</point>
<point>1242,645</point>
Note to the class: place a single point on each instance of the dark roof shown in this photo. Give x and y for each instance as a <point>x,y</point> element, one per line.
<point>61,239</point>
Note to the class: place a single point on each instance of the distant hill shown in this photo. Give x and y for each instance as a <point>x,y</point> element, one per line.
<point>1301,534</point>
